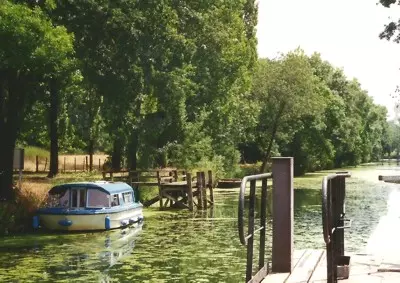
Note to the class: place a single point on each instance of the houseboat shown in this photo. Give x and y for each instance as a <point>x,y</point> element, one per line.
<point>89,206</point>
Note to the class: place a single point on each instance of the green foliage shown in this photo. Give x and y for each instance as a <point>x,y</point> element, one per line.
<point>285,89</point>
<point>30,43</point>
<point>177,83</point>
<point>33,51</point>
<point>392,145</point>
<point>309,110</point>
<point>391,30</point>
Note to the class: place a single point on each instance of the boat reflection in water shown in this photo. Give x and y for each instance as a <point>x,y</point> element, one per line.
<point>120,245</point>
<point>90,257</point>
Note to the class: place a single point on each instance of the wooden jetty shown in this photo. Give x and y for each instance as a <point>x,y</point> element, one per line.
<point>177,188</point>
<point>379,262</point>
<point>310,266</point>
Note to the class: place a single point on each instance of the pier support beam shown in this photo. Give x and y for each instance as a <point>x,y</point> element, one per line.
<point>282,238</point>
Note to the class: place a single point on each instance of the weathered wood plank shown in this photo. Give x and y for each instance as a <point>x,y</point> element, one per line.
<point>320,271</point>
<point>152,201</point>
<point>145,183</point>
<point>178,184</point>
<point>281,277</point>
<point>178,202</point>
<point>305,267</point>
<point>260,275</point>
<point>189,191</point>
<point>211,186</point>
<point>276,278</point>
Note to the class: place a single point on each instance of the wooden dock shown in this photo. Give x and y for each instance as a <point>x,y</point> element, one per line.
<point>310,266</point>
<point>177,188</point>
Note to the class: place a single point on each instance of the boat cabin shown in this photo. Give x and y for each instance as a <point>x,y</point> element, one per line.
<point>91,195</point>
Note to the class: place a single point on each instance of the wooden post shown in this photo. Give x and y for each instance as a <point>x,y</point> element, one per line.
<point>189,190</point>
<point>199,191</point>
<point>75,163</point>
<point>160,194</point>
<point>87,164</point>
<point>211,186</point>
<point>175,172</point>
<point>99,165</point>
<point>45,165</point>
<point>65,158</point>
<point>204,189</point>
<point>282,236</point>
<point>37,163</point>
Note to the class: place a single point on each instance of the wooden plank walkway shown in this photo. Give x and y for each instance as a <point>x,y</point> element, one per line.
<point>310,267</point>
<point>379,261</point>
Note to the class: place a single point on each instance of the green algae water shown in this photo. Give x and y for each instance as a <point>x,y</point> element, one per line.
<point>180,246</point>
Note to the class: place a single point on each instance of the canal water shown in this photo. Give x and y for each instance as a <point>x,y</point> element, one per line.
<point>180,246</point>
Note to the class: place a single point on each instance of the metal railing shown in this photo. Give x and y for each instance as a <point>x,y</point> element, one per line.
<point>248,240</point>
<point>333,223</point>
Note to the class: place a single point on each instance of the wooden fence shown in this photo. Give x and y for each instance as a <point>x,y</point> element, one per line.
<point>65,164</point>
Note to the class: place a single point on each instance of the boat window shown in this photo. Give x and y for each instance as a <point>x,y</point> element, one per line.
<point>59,199</point>
<point>114,200</point>
<point>78,198</point>
<point>97,198</point>
<point>127,197</point>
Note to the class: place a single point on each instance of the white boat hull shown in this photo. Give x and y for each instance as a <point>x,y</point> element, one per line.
<point>98,221</point>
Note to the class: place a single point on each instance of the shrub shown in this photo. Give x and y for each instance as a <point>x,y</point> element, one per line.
<point>17,216</point>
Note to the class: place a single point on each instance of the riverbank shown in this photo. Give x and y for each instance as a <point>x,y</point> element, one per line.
<point>183,246</point>
<point>16,217</point>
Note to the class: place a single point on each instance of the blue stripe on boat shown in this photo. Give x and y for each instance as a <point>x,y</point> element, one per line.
<point>65,222</point>
<point>88,211</point>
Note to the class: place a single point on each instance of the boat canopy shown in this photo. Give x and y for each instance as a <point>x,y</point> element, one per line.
<point>107,187</point>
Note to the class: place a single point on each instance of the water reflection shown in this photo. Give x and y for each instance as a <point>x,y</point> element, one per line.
<point>63,257</point>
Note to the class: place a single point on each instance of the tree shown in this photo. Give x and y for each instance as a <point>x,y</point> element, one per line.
<point>285,90</point>
<point>32,50</point>
<point>392,29</point>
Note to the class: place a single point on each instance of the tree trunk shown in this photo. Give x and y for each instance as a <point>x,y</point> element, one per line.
<point>134,140</point>
<point>275,126</point>
<point>6,168</point>
<point>117,155</point>
<point>12,98</point>
<point>132,150</point>
<point>91,152</point>
<point>54,104</point>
